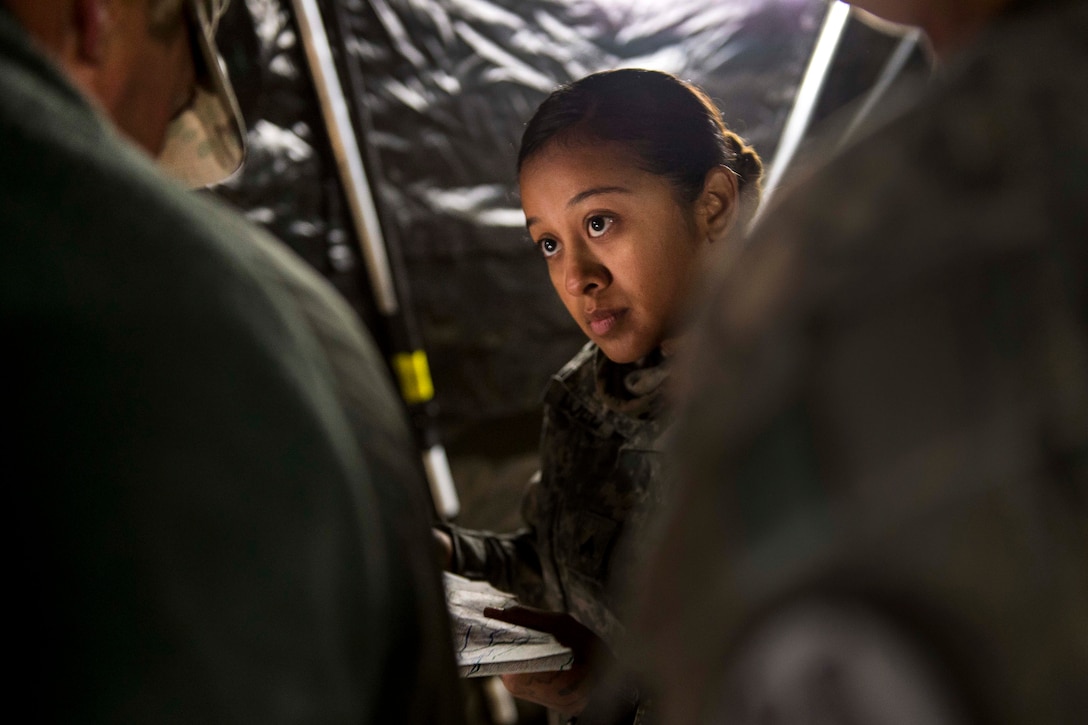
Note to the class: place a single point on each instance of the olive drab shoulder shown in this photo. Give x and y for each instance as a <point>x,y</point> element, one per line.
<point>902,351</point>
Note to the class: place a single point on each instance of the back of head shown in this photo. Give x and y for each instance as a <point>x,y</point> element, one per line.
<point>670,125</point>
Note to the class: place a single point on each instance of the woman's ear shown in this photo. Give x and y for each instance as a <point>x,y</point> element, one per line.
<point>717,203</point>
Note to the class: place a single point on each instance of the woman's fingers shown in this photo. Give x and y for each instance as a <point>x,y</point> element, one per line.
<point>566,691</point>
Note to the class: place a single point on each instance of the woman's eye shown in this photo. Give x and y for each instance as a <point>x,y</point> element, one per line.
<point>598,225</point>
<point>548,246</point>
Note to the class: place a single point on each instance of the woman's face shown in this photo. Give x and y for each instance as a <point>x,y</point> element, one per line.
<point>620,247</point>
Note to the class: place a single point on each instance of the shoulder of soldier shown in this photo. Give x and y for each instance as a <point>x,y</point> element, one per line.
<point>579,365</point>
<point>976,168</point>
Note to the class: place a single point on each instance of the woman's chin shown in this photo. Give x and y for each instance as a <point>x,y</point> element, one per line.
<point>621,352</point>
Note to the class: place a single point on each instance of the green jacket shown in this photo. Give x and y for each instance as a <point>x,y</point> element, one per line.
<point>213,514</point>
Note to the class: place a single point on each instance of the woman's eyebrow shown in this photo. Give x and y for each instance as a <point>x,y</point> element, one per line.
<point>582,196</point>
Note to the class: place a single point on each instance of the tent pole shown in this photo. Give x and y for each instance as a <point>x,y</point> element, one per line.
<point>409,365</point>
<point>808,93</point>
<point>334,108</point>
<point>896,62</point>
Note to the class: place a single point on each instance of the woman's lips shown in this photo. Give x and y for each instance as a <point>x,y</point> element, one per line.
<point>601,322</point>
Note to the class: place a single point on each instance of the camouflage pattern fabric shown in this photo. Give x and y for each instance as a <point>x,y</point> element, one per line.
<point>887,401</point>
<point>598,478</point>
<point>599,481</point>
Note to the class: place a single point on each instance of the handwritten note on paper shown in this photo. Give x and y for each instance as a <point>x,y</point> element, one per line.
<point>486,646</point>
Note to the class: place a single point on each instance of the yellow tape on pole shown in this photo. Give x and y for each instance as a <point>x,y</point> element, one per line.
<point>414,376</point>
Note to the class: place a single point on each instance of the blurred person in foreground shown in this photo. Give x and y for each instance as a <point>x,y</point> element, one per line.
<point>217,514</point>
<point>882,440</point>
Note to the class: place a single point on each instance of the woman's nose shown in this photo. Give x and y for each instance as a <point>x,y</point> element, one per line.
<point>583,272</point>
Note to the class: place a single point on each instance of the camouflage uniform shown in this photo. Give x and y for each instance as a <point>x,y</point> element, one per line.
<point>886,410</point>
<point>598,479</point>
<point>599,465</point>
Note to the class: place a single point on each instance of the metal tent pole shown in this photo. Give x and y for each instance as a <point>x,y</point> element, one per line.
<point>808,93</point>
<point>409,364</point>
<point>896,62</point>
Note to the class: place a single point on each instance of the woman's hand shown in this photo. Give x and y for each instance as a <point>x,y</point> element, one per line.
<point>566,691</point>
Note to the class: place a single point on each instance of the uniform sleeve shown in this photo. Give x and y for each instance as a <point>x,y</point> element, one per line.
<point>206,533</point>
<point>510,562</point>
<point>200,540</point>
